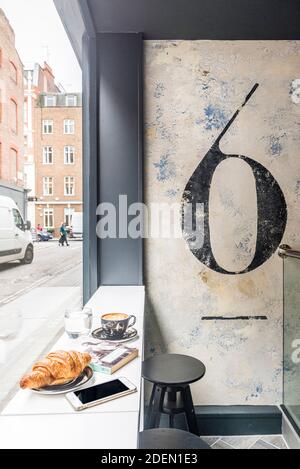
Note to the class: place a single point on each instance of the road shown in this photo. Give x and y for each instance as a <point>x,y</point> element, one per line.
<point>53,266</point>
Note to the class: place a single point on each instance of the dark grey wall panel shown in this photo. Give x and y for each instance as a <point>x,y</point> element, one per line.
<point>120,148</point>
<point>90,166</point>
<point>73,21</point>
<point>199,19</point>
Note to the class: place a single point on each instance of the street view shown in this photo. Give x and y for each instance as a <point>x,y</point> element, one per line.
<point>41,207</point>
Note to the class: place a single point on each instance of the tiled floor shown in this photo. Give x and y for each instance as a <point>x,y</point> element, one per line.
<point>246,442</point>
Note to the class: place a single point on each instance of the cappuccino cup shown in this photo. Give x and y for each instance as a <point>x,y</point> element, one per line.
<point>115,325</point>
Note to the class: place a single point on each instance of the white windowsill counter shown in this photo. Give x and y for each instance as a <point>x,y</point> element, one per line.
<point>37,421</point>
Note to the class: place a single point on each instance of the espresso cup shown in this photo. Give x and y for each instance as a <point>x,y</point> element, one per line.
<point>115,325</point>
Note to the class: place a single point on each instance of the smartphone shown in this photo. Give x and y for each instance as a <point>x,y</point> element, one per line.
<point>100,393</point>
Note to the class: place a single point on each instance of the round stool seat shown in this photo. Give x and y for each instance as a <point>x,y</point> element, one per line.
<point>173,369</point>
<point>169,438</point>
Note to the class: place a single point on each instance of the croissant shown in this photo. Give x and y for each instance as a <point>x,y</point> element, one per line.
<point>57,368</point>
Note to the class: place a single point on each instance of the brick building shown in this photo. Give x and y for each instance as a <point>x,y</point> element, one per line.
<point>37,80</point>
<point>58,158</point>
<point>11,117</point>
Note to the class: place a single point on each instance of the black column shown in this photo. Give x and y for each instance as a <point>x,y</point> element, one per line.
<point>113,153</point>
<point>120,148</point>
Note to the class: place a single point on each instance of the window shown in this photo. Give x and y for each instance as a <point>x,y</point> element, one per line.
<point>68,216</point>
<point>13,164</point>
<point>69,185</point>
<point>18,220</point>
<point>48,218</point>
<point>69,155</point>
<point>25,112</point>
<point>69,126</point>
<point>50,101</point>
<point>48,186</point>
<point>13,116</point>
<point>13,72</point>
<point>47,155</point>
<point>47,127</point>
<point>71,100</point>
<point>1,104</point>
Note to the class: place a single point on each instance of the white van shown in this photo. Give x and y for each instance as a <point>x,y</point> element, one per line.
<point>15,237</point>
<point>77,225</point>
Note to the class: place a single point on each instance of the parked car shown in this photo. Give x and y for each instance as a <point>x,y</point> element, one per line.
<point>40,236</point>
<point>15,236</point>
<point>77,225</point>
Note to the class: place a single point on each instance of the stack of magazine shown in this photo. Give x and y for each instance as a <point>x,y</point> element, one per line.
<point>109,357</point>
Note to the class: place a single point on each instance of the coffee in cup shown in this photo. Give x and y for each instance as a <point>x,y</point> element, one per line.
<point>115,325</point>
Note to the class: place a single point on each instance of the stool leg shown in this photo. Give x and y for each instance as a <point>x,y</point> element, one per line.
<point>171,420</point>
<point>190,410</point>
<point>150,408</point>
<point>156,409</point>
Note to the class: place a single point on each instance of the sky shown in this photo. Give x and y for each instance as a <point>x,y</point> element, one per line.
<point>40,36</point>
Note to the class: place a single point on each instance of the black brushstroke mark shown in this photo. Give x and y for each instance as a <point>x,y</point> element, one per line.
<point>236,318</point>
<point>271,205</point>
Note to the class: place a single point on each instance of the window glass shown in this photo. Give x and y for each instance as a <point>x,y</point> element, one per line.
<point>13,165</point>
<point>69,126</point>
<point>47,155</point>
<point>50,101</point>
<point>13,116</point>
<point>18,219</point>
<point>13,72</point>
<point>48,186</point>
<point>69,155</point>
<point>71,100</point>
<point>69,185</point>
<point>68,216</point>
<point>48,218</point>
<point>47,126</point>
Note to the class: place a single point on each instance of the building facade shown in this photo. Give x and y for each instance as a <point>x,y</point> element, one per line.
<point>58,159</point>
<point>37,80</point>
<point>11,117</point>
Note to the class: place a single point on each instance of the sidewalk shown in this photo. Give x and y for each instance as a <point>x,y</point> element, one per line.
<point>43,311</point>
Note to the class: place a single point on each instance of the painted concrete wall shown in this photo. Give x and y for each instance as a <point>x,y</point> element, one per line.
<point>192,90</point>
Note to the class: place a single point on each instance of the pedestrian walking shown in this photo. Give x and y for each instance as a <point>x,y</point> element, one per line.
<point>63,235</point>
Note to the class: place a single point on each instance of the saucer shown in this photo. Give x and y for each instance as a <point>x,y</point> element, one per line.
<point>130,334</point>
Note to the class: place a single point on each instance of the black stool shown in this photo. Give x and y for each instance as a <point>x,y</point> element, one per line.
<point>171,376</point>
<point>169,438</point>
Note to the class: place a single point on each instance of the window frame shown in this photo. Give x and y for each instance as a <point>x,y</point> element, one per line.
<point>45,126</point>
<point>68,126</point>
<point>12,66</point>
<point>50,97</point>
<point>68,184</point>
<point>15,152</point>
<point>49,184</point>
<point>68,151</point>
<point>20,222</point>
<point>68,212</point>
<point>13,101</point>
<point>47,154</point>
<point>70,97</point>
<point>48,212</point>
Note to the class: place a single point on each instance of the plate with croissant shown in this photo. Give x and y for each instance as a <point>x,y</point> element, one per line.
<point>58,373</point>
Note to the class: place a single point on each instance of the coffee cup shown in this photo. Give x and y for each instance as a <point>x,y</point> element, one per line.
<point>115,325</point>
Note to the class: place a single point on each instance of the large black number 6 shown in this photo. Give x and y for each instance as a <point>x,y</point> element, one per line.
<point>271,206</point>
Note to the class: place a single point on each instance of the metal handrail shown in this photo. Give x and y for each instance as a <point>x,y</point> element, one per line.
<point>287,251</point>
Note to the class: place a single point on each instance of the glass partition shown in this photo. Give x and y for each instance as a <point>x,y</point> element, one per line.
<point>292,338</point>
